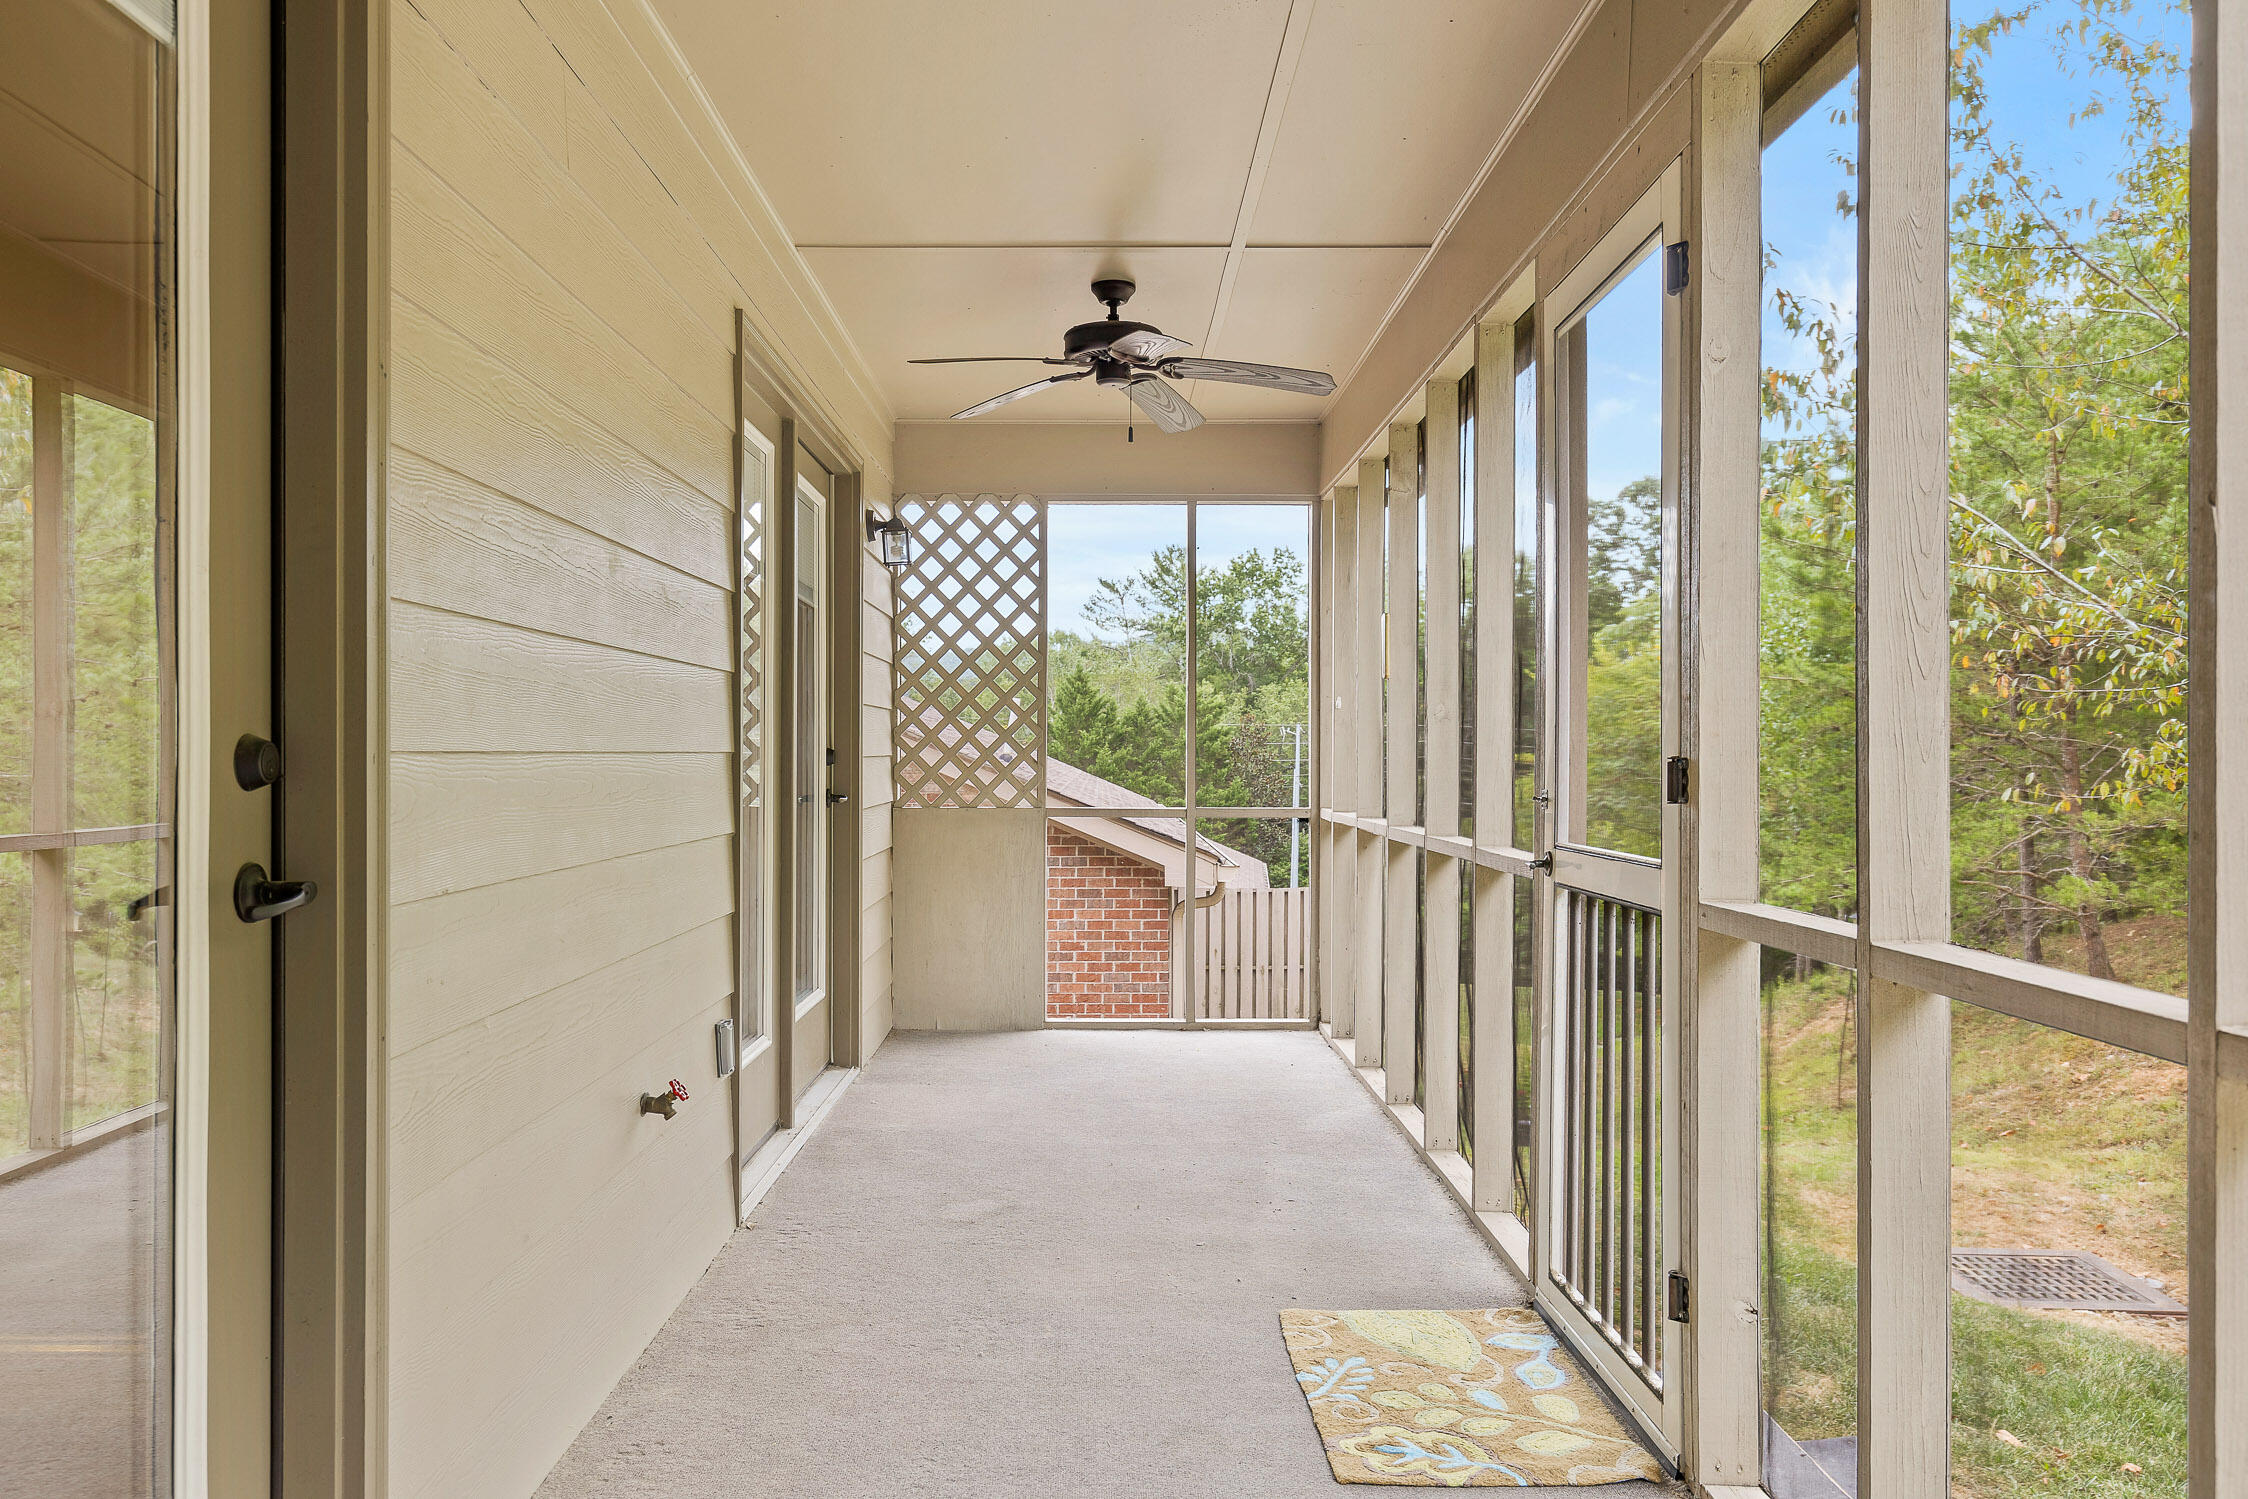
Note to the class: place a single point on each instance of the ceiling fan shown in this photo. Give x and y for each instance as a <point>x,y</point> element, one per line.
<point>1136,356</point>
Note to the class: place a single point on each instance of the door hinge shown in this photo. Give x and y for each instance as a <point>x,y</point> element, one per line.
<point>1676,267</point>
<point>1675,780</point>
<point>1676,1305</point>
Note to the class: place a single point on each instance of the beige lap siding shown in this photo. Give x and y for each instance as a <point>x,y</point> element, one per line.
<point>570,239</point>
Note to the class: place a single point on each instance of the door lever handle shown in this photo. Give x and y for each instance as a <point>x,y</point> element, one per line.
<point>838,798</point>
<point>257,898</point>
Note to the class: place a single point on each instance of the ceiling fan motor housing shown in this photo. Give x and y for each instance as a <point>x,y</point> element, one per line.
<point>1138,368</point>
<point>1094,338</point>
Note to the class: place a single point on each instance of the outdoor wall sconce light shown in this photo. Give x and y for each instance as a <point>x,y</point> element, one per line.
<point>893,543</point>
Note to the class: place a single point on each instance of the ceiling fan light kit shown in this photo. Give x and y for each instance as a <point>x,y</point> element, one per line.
<point>1136,358</point>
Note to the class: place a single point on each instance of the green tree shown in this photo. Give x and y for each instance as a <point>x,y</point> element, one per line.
<point>1082,723</point>
<point>2069,415</point>
<point>1118,703</point>
<point>2068,480</point>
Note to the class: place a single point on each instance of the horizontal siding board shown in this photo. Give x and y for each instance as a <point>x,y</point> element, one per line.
<point>627,1302</point>
<point>496,1392</point>
<point>633,77</point>
<point>450,262</point>
<point>451,1100</point>
<point>461,957</point>
<point>874,928</point>
<point>462,135</point>
<point>874,681</point>
<point>455,404</point>
<point>461,683</point>
<point>548,1170</point>
<point>459,546</point>
<point>510,59</point>
<point>874,879</point>
<point>571,238</point>
<point>875,585</point>
<point>461,821</point>
<point>874,631</point>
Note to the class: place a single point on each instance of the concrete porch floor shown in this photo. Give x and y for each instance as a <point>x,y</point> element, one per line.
<point>1042,1263</point>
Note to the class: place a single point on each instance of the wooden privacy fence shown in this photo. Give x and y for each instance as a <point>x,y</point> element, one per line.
<point>1249,958</point>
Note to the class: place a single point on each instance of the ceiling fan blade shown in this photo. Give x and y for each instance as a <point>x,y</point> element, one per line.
<point>1164,405</point>
<point>1270,376</point>
<point>1017,394</point>
<point>1146,346</point>
<point>993,359</point>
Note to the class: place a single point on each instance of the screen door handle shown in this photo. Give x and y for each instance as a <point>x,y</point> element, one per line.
<point>257,898</point>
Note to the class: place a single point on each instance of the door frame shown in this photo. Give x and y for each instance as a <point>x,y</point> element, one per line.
<point>800,428</point>
<point>1654,219</point>
<point>331,1374</point>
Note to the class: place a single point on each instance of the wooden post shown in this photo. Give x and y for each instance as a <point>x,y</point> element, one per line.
<point>1440,956</point>
<point>1401,762</point>
<point>1338,911</point>
<point>1721,527</point>
<point>1494,1040</point>
<point>2217,720</point>
<point>1372,883</point>
<point>1904,788</point>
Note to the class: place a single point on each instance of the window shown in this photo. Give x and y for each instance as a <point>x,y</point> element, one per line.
<point>1807,772</point>
<point>2068,1147</point>
<point>2068,425</point>
<point>81,783</point>
<point>1810,1227</point>
<point>1611,356</point>
<point>2068,470</point>
<point>90,452</point>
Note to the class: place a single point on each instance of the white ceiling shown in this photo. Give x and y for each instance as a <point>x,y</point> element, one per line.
<point>1271,172</point>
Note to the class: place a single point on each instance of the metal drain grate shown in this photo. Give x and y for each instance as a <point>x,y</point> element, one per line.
<point>2055,1279</point>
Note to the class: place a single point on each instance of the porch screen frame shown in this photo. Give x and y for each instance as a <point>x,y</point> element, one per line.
<point>1183,1005</point>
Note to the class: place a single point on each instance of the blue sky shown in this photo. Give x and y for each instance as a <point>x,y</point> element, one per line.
<point>1089,542</point>
<point>2034,90</point>
<point>1624,380</point>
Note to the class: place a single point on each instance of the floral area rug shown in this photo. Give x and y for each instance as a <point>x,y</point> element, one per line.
<point>1486,1399</point>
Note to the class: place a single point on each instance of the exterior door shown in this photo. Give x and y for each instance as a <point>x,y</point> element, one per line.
<point>135,453</point>
<point>812,690</point>
<point>784,1009</point>
<point>1608,887</point>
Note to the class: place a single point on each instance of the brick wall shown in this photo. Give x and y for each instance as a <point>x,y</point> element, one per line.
<point>1107,932</point>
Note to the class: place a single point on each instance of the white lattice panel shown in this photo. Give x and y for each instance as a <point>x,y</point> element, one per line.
<point>969,706</point>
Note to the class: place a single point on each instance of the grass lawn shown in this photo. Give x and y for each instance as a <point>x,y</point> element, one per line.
<point>2058,1143</point>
